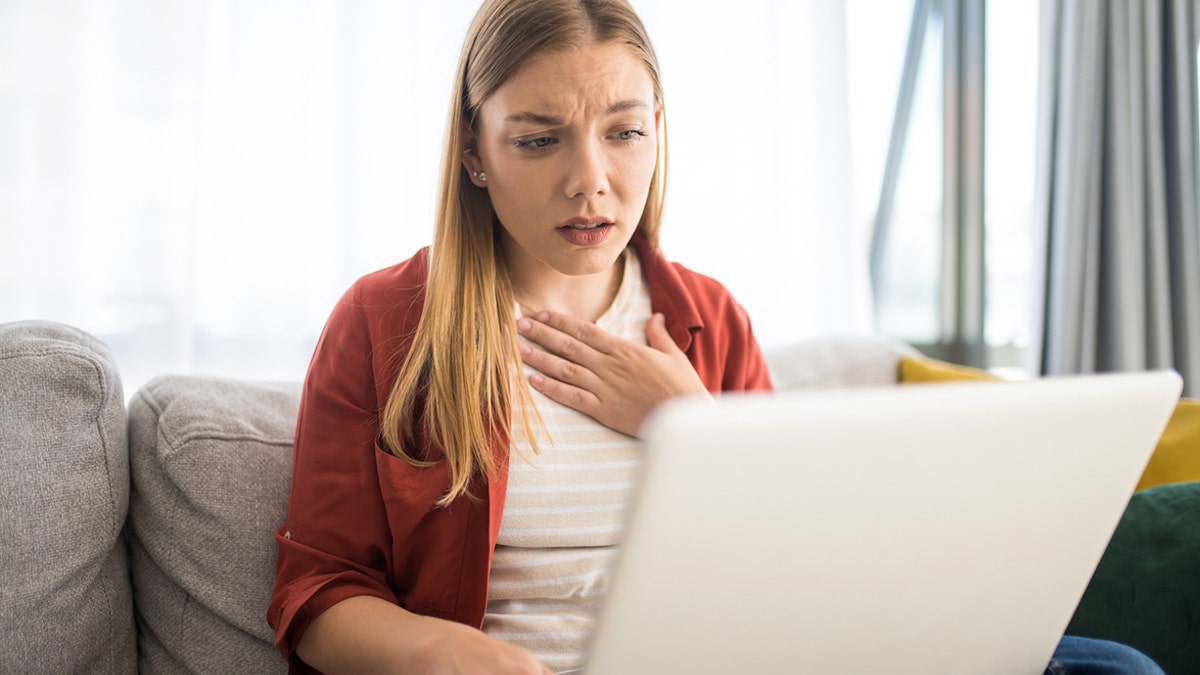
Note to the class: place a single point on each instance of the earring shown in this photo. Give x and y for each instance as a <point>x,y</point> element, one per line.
<point>481,176</point>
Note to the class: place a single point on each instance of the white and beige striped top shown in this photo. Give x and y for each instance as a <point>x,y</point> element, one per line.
<point>565,511</point>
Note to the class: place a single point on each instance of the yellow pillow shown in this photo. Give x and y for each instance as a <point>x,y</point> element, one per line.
<point>1176,459</point>
<point>919,370</point>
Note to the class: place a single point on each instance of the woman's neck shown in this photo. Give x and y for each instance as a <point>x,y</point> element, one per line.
<point>584,297</point>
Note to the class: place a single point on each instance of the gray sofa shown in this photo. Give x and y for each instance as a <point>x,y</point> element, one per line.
<point>139,538</point>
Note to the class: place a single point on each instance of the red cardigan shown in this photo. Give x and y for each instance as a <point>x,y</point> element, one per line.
<point>362,521</point>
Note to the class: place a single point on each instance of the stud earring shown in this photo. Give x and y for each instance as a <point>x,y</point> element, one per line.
<point>481,176</point>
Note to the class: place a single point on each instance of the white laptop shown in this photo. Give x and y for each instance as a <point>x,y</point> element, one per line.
<point>934,529</point>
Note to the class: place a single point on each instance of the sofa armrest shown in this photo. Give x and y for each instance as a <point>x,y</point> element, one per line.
<point>65,604</point>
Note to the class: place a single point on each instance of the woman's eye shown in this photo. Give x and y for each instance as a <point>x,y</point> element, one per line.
<point>631,134</point>
<point>540,143</point>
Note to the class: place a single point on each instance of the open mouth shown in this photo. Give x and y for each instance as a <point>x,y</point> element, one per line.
<point>586,222</point>
<point>586,232</point>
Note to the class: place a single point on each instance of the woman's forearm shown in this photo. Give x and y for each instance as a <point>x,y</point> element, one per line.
<point>365,634</point>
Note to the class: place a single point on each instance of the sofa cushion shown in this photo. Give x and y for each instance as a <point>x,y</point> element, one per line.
<point>841,361</point>
<point>65,604</point>
<point>1146,590</point>
<point>211,464</point>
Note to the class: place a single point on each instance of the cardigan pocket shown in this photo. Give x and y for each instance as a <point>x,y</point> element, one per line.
<point>428,541</point>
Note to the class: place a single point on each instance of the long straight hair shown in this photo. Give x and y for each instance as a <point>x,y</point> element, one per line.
<point>456,382</point>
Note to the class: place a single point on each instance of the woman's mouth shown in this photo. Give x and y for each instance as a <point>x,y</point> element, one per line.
<point>580,233</point>
<point>587,222</point>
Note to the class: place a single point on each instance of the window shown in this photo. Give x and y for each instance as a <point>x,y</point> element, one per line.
<point>952,261</point>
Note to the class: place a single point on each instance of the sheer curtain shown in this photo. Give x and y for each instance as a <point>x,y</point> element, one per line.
<point>197,181</point>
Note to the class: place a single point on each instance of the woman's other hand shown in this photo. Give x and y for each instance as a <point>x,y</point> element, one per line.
<point>616,381</point>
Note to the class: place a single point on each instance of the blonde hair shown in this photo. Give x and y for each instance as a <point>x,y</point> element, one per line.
<point>454,384</point>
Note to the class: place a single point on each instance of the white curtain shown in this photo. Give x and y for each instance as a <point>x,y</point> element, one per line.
<point>197,181</point>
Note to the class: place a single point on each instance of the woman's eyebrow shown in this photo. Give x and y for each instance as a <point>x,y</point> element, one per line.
<point>630,104</point>
<point>552,121</point>
<point>533,118</point>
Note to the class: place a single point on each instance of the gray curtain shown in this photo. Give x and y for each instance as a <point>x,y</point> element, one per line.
<point>1117,208</point>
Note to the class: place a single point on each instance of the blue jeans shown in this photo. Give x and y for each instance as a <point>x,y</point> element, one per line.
<point>1087,656</point>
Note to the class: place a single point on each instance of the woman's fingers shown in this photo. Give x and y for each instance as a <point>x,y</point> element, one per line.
<point>558,367</point>
<point>566,335</point>
<point>569,395</point>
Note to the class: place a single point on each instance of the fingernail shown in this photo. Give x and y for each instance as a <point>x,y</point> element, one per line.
<point>522,325</point>
<point>536,380</point>
<point>543,316</point>
<point>526,350</point>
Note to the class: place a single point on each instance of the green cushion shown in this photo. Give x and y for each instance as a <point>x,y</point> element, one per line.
<point>1146,590</point>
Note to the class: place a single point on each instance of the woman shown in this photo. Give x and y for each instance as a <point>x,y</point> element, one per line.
<point>409,527</point>
<point>414,542</point>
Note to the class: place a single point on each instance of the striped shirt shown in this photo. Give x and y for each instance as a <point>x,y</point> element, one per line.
<point>565,512</point>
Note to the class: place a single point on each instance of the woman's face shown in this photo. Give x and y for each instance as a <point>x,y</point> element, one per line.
<point>568,145</point>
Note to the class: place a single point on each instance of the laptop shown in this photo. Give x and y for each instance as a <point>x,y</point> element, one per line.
<point>920,529</point>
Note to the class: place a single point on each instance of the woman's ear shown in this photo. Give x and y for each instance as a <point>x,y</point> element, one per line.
<point>470,158</point>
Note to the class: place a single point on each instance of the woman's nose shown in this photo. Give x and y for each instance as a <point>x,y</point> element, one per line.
<point>588,173</point>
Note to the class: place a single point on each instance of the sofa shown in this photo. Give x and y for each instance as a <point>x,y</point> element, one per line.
<point>137,537</point>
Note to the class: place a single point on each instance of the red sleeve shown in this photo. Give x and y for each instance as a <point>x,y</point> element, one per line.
<point>335,543</point>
